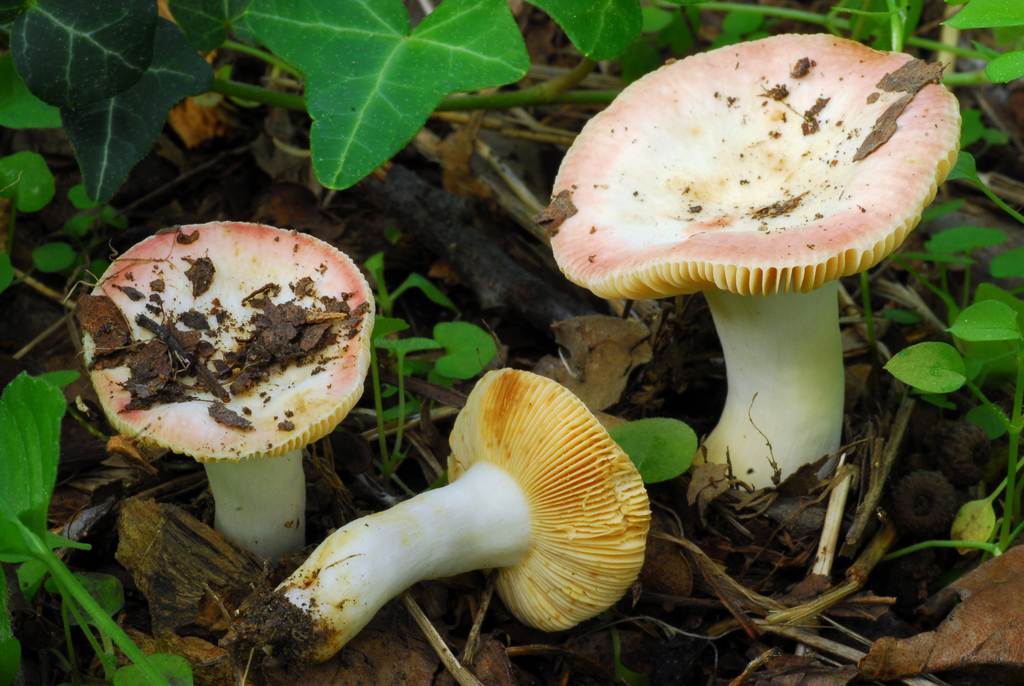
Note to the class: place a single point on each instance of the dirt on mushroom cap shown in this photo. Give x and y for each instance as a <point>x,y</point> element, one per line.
<point>276,374</point>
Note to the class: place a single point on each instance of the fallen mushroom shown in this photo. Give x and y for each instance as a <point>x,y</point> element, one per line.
<point>537,488</point>
<point>733,172</point>
<point>188,350</point>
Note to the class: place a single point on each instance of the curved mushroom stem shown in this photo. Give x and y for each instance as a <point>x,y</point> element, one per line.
<point>261,503</point>
<point>786,349</point>
<point>480,521</point>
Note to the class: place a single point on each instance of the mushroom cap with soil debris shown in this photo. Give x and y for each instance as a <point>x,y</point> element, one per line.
<point>773,167</point>
<point>231,343</point>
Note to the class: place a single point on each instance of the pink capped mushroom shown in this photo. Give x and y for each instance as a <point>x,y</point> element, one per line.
<point>760,174</point>
<point>236,344</point>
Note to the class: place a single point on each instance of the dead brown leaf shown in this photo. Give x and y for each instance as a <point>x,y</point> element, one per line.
<point>709,481</point>
<point>985,633</point>
<point>602,352</point>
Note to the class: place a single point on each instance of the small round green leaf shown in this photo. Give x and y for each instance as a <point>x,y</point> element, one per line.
<point>965,168</point>
<point>930,367</point>
<point>975,521</point>
<point>469,349</point>
<point>1008,265</point>
<point>989,320</point>
<point>742,23</point>
<point>79,225</point>
<point>964,239</point>
<point>19,109</point>
<point>53,257</point>
<point>25,177</point>
<point>80,199</point>
<point>1006,67</point>
<point>661,448</point>
<point>106,590</point>
<point>987,419</point>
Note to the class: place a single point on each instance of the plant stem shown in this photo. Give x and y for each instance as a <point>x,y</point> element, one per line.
<point>836,23</point>
<point>378,406</point>
<point>63,576</point>
<point>895,26</point>
<point>258,94</point>
<point>990,548</point>
<point>265,56</point>
<point>541,93</point>
<point>967,78</point>
<point>76,678</point>
<point>395,456</point>
<point>1011,510</point>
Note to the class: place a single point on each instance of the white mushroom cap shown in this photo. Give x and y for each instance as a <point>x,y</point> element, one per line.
<point>676,182</point>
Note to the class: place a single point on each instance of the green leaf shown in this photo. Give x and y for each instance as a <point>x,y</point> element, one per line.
<point>174,668</point>
<point>661,448</point>
<point>641,58</point>
<point>19,109</point>
<point>938,400</point>
<point>936,257</point>
<point>964,239</point>
<point>1006,67</point>
<point>61,378</point>
<point>980,14</point>
<point>10,658</point>
<point>600,30</point>
<point>31,575</point>
<point>30,414</point>
<point>1008,265</point>
<point>990,291</point>
<point>206,23</point>
<point>6,271</point>
<point>53,257</point>
<point>382,326</point>
<point>80,199</point>
<point>936,211</point>
<point>73,54</point>
<point>370,85</point>
<point>392,234</point>
<point>469,349</point>
<point>742,23</point>
<point>965,168</point>
<point>976,521</point>
<point>110,216</point>
<point>110,136</point>
<point>902,316</point>
<point>106,590</point>
<point>404,346</point>
<point>987,420</point>
<point>429,289</point>
<point>25,177</point>
<point>989,320</point>
<point>79,225</point>
<point>55,541</point>
<point>5,617</point>
<point>654,19</point>
<point>678,34</point>
<point>930,367</point>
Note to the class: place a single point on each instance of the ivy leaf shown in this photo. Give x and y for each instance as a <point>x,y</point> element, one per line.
<point>989,320</point>
<point>930,367</point>
<point>206,23</point>
<point>600,30</point>
<point>981,14</point>
<point>370,84</point>
<point>19,109</point>
<point>109,137</point>
<point>72,54</point>
<point>1006,67</point>
<point>9,10</point>
<point>30,414</point>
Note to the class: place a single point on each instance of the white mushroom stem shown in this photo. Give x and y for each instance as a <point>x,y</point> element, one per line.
<point>481,521</point>
<point>261,502</point>
<point>786,350</point>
